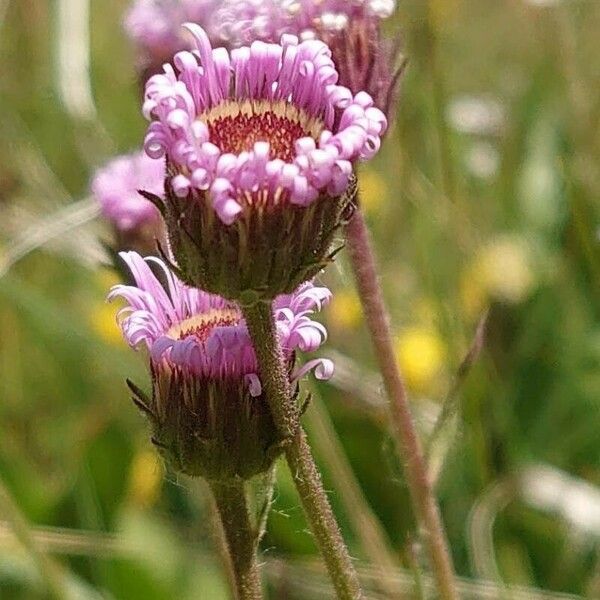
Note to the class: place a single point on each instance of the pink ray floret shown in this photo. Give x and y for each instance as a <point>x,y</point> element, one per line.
<point>116,185</point>
<point>205,335</point>
<point>263,124</point>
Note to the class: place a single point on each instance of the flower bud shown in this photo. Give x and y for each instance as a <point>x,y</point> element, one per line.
<point>208,427</point>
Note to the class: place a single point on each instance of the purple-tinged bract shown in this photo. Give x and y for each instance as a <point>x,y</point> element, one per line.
<point>207,407</point>
<point>260,145</point>
<point>115,186</point>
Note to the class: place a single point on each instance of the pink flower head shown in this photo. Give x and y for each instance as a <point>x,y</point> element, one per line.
<point>116,186</point>
<point>204,336</point>
<point>259,127</point>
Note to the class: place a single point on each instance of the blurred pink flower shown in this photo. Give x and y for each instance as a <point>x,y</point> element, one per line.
<point>116,186</point>
<point>240,22</point>
<point>155,26</point>
<point>365,60</point>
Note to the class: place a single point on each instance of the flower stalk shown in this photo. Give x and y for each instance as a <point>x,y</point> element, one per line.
<point>427,512</point>
<point>306,476</point>
<point>241,536</point>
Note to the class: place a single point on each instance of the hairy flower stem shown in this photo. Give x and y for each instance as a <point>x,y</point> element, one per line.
<point>241,537</point>
<point>275,379</point>
<point>425,506</point>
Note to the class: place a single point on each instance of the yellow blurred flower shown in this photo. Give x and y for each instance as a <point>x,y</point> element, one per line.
<point>104,322</point>
<point>107,278</point>
<point>103,316</point>
<point>345,310</point>
<point>373,190</point>
<point>502,271</point>
<point>145,478</point>
<point>421,353</point>
<point>506,267</point>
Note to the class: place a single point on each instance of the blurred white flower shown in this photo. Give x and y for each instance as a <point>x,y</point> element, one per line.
<point>476,115</point>
<point>541,180</point>
<point>575,500</point>
<point>482,160</point>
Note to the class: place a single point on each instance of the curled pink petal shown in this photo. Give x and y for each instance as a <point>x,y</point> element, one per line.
<point>323,369</point>
<point>206,335</point>
<point>254,384</point>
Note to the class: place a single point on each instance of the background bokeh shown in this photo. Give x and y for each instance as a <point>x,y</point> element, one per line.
<point>483,201</point>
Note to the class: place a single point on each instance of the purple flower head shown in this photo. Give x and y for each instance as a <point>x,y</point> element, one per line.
<point>207,409</point>
<point>260,145</point>
<point>260,127</point>
<point>116,186</point>
<point>204,335</point>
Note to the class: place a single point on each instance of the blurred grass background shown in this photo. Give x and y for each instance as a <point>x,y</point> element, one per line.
<point>485,199</point>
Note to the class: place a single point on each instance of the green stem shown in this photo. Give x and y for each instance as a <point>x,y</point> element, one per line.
<point>424,503</point>
<point>275,379</point>
<point>242,539</point>
<point>207,504</point>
